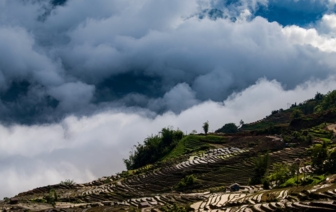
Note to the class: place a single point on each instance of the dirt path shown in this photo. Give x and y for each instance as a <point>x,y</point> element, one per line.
<point>274,137</point>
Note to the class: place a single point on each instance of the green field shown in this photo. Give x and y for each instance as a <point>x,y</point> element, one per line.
<point>194,143</point>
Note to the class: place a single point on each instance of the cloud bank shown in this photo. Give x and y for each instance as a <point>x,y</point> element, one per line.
<point>76,77</point>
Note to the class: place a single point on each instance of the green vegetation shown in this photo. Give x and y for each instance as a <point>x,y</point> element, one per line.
<point>303,111</point>
<point>38,200</point>
<point>290,182</point>
<point>154,148</point>
<point>213,139</point>
<point>323,158</point>
<point>187,181</point>
<point>228,128</point>
<point>284,174</point>
<point>67,182</point>
<point>52,197</point>
<point>302,181</point>
<point>280,174</point>
<point>328,102</point>
<point>206,127</point>
<point>296,113</point>
<point>257,126</point>
<point>319,155</point>
<point>261,164</point>
<point>313,180</point>
<point>194,143</point>
<point>175,208</point>
<point>331,163</point>
<point>188,144</point>
<point>307,114</point>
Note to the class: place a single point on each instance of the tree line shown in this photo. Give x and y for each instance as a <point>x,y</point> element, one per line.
<point>154,148</point>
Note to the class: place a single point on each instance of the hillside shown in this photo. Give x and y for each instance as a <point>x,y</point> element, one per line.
<point>284,162</point>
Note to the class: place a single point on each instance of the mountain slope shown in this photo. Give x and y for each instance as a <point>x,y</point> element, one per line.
<point>283,162</point>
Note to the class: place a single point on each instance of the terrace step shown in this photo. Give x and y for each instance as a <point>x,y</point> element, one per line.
<point>257,208</point>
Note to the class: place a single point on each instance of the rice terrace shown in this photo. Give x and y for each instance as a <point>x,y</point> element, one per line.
<point>284,162</point>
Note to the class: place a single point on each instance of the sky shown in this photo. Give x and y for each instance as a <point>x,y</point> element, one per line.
<point>82,81</point>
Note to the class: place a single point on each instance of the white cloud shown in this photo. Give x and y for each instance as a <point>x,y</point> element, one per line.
<point>19,59</point>
<point>72,95</point>
<point>179,98</point>
<point>302,36</point>
<point>327,25</point>
<point>89,147</point>
<point>329,21</point>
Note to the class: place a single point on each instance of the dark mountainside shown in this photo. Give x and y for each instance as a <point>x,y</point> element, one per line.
<point>284,162</point>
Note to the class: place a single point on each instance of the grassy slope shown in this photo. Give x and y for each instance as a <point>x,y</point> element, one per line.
<point>284,117</point>
<point>193,143</point>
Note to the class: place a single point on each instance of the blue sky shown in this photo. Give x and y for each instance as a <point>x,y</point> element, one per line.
<point>77,76</point>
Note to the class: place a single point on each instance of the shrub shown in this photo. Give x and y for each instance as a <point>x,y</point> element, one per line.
<point>261,164</point>
<point>52,197</point>
<point>39,200</point>
<point>296,114</point>
<point>175,208</point>
<point>228,128</point>
<point>274,112</point>
<point>187,181</point>
<point>67,182</point>
<point>280,174</point>
<point>290,182</point>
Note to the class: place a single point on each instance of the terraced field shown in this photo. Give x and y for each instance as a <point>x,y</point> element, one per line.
<point>318,198</point>
<point>154,188</point>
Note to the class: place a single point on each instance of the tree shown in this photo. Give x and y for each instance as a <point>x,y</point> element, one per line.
<point>296,114</point>
<point>274,112</point>
<point>318,96</point>
<point>332,161</point>
<point>261,164</point>
<point>241,123</point>
<point>228,128</point>
<point>293,169</point>
<point>153,148</point>
<point>319,155</point>
<point>280,173</point>
<point>328,102</point>
<point>206,127</point>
